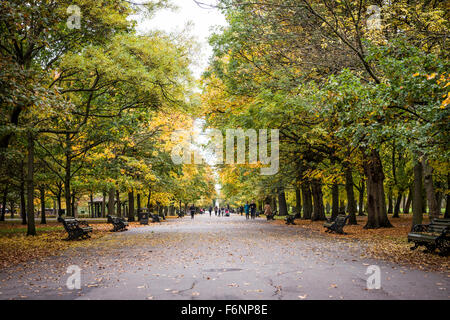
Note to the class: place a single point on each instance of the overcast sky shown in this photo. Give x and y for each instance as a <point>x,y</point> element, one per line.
<point>202,21</point>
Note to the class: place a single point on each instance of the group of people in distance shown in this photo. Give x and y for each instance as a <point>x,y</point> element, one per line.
<point>249,209</point>
<point>219,211</point>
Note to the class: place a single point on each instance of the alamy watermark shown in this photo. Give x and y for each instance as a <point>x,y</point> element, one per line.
<point>374,19</point>
<point>235,140</point>
<point>74,20</point>
<point>74,280</point>
<point>374,279</point>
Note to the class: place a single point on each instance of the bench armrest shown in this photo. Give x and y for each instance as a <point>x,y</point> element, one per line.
<point>420,228</point>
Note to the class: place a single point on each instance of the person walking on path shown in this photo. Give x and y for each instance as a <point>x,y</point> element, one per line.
<point>253,209</point>
<point>215,211</point>
<point>192,210</point>
<point>210,211</point>
<point>267,210</point>
<point>247,210</point>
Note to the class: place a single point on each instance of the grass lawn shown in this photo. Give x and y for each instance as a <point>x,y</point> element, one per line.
<point>17,247</point>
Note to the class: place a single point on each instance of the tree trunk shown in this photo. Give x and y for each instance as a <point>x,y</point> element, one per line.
<point>74,206</point>
<point>67,177</point>
<point>447,207</point>
<point>351,206</point>
<point>334,200</point>
<point>447,199</point>
<point>424,198</point>
<point>307,201</point>
<point>92,205</point>
<point>282,202</point>
<point>342,207</point>
<point>42,192</point>
<point>12,207</point>
<point>119,209</point>
<point>31,228</point>
<point>23,210</point>
<point>5,196</point>
<point>318,208</point>
<point>408,201</point>
<point>397,205</point>
<point>104,204</point>
<point>149,198</point>
<point>298,201</point>
<point>390,204</point>
<point>111,195</point>
<point>139,209</point>
<point>131,206</point>
<point>159,209</point>
<point>376,201</point>
<point>433,211</point>
<point>439,198</point>
<point>417,202</point>
<point>58,200</point>
<point>361,198</point>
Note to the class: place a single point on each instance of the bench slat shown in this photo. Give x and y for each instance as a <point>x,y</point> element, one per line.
<point>418,236</point>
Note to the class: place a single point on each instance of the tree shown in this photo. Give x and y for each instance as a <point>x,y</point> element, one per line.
<point>70,94</point>
<point>336,88</point>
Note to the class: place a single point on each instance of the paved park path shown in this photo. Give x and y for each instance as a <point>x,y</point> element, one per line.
<point>219,258</point>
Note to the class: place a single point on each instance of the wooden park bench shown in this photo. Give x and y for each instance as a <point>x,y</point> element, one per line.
<point>119,224</point>
<point>76,229</point>
<point>290,219</point>
<point>435,235</point>
<point>336,225</point>
<point>155,217</point>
